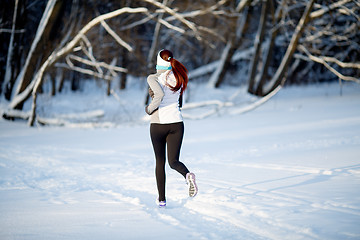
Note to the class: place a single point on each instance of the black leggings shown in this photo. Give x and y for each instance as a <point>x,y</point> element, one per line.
<point>170,135</point>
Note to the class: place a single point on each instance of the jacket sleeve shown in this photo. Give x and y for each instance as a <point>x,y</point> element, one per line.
<point>158,94</point>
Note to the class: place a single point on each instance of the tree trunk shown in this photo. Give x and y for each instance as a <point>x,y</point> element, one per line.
<point>123,75</point>
<point>278,78</point>
<point>113,74</point>
<point>9,68</point>
<point>220,71</point>
<point>238,40</point>
<point>219,75</point>
<point>17,52</point>
<point>60,79</point>
<point>37,48</point>
<point>269,50</point>
<point>258,42</point>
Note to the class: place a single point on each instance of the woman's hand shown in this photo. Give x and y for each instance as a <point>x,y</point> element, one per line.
<point>151,93</point>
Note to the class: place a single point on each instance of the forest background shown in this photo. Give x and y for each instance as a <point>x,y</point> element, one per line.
<point>261,44</point>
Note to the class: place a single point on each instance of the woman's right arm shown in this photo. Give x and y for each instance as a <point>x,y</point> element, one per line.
<point>158,94</point>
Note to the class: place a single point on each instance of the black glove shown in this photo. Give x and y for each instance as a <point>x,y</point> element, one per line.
<point>151,93</point>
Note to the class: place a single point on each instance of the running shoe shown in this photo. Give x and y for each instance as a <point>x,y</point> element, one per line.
<point>161,204</point>
<point>193,189</point>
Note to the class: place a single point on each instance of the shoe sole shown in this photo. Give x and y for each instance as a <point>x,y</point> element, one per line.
<point>161,204</point>
<point>192,185</point>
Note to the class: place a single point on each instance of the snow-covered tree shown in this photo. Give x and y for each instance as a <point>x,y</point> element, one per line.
<point>270,41</point>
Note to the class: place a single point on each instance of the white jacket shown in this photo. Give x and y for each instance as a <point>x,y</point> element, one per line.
<point>164,107</point>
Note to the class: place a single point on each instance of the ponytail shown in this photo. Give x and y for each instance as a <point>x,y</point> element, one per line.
<point>180,73</point>
<point>179,70</point>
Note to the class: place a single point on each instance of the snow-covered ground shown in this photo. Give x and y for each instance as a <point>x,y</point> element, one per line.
<point>287,170</point>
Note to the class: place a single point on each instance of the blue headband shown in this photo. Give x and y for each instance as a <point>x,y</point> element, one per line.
<point>158,67</point>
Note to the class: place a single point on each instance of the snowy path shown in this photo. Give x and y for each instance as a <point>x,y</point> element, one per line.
<point>288,170</point>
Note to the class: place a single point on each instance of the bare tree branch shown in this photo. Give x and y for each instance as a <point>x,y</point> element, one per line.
<point>199,12</point>
<point>258,103</point>
<point>170,26</point>
<point>4,30</point>
<point>89,53</point>
<point>321,12</point>
<point>102,64</point>
<point>137,23</point>
<point>85,71</point>
<point>189,24</point>
<point>116,37</point>
<point>341,64</point>
<point>242,4</point>
<point>323,61</point>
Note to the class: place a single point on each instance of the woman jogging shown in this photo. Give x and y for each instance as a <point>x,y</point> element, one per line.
<point>166,124</point>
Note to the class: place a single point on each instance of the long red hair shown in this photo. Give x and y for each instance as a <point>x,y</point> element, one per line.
<point>179,70</point>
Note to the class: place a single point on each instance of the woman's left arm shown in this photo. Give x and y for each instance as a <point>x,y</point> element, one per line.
<point>158,94</point>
